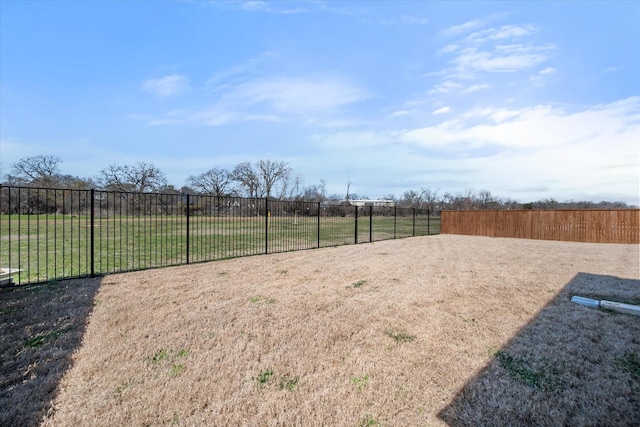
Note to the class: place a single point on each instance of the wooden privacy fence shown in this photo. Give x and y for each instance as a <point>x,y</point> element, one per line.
<point>596,226</point>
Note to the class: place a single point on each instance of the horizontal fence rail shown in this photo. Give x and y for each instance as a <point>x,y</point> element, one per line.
<point>54,234</point>
<point>595,226</point>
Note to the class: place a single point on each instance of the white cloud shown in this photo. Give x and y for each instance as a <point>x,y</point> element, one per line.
<point>503,33</point>
<point>167,86</point>
<point>450,48</point>
<point>262,6</point>
<point>297,96</point>
<point>446,86</point>
<point>576,154</point>
<point>442,110</point>
<point>400,113</point>
<point>457,30</point>
<point>581,153</point>
<point>604,127</point>
<point>240,71</point>
<point>539,78</point>
<point>477,52</point>
<point>275,99</point>
<point>508,58</point>
<point>413,20</point>
<point>255,5</point>
<point>399,20</point>
<point>475,88</point>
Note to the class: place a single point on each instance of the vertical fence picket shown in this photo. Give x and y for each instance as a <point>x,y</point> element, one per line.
<point>319,204</point>
<point>413,225</point>
<point>187,238</point>
<point>93,233</point>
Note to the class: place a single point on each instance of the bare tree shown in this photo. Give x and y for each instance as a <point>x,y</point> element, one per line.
<point>217,182</point>
<point>509,203</point>
<point>273,173</point>
<point>465,200</point>
<point>74,182</point>
<point>346,197</point>
<point>249,179</point>
<point>295,191</point>
<point>314,193</point>
<point>413,199</point>
<point>430,198</point>
<point>446,201</point>
<point>262,178</point>
<point>140,177</point>
<point>37,170</point>
<point>486,200</point>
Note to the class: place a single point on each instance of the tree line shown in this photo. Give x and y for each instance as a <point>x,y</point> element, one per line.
<point>261,179</point>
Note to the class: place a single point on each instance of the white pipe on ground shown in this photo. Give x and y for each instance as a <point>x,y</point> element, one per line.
<point>587,302</point>
<point>609,305</point>
<point>621,307</point>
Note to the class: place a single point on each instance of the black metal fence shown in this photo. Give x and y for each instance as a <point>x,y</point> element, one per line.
<point>52,234</point>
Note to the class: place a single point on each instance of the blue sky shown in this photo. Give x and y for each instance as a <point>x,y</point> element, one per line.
<point>530,100</point>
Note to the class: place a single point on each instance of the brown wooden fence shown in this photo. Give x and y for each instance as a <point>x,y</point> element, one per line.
<point>597,226</point>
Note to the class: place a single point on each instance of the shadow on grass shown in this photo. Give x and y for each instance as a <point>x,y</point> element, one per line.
<point>571,365</point>
<point>41,327</point>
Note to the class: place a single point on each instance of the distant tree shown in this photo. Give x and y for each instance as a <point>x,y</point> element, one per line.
<point>612,205</point>
<point>273,173</point>
<point>545,204</point>
<point>485,200</point>
<point>314,193</point>
<point>446,201</point>
<point>356,196</point>
<point>430,198</point>
<point>465,200</point>
<point>348,196</point>
<point>74,182</point>
<point>169,189</point>
<point>249,179</point>
<point>335,197</point>
<point>140,177</point>
<point>509,203</point>
<point>295,188</point>
<point>322,190</point>
<point>412,199</point>
<point>41,171</point>
<point>217,182</point>
<point>263,178</point>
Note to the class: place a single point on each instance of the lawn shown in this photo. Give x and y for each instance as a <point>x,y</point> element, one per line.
<point>50,247</point>
<point>437,330</point>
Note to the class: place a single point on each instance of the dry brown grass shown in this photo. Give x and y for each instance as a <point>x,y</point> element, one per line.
<point>400,332</point>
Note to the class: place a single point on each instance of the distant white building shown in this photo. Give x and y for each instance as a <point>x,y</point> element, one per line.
<point>369,202</point>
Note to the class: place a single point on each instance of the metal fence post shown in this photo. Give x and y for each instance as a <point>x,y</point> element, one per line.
<point>356,221</point>
<point>93,231</point>
<point>188,203</point>
<point>266,225</point>
<point>395,221</point>
<point>428,222</point>
<point>370,223</point>
<point>318,224</point>
<point>414,222</point>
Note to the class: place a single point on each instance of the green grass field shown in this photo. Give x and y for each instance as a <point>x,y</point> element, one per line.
<point>49,247</point>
